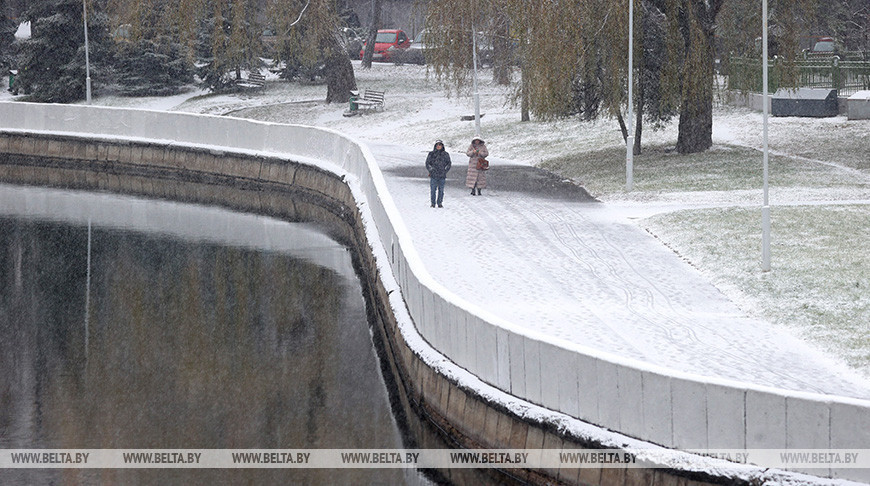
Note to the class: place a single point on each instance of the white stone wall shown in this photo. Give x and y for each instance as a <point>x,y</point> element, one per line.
<point>651,403</point>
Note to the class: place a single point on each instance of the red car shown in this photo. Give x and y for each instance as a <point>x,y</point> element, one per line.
<point>389,43</point>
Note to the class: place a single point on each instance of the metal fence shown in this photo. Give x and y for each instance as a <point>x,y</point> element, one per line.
<point>847,77</point>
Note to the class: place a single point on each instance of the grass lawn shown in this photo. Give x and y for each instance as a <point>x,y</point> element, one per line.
<point>820,277</point>
<point>819,284</point>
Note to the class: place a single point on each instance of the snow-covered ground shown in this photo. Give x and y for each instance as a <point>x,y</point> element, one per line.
<point>588,272</point>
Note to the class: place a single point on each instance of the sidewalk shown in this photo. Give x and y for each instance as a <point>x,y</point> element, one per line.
<point>542,254</point>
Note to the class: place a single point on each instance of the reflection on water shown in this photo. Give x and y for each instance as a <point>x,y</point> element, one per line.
<point>186,345</point>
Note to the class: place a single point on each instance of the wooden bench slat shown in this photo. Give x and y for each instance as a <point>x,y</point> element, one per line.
<point>254,80</point>
<point>372,98</point>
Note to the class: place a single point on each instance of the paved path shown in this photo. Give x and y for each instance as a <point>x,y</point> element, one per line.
<point>542,254</point>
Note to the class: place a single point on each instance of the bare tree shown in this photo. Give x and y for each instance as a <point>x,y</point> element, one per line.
<point>573,57</point>
<point>369,52</point>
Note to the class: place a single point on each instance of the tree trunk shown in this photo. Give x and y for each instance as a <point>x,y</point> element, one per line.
<point>622,126</point>
<point>340,79</point>
<point>696,110</point>
<point>696,107</point>
<point>373,33</point>
<point>696,126</point>
<point>502,55</point>
<point>524,102</point>
<point>638,125</point>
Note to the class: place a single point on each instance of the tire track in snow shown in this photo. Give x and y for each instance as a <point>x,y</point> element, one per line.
<point>640,350</point>
<point>670,327</point>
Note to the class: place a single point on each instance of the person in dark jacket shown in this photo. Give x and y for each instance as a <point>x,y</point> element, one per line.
<point>438,164</point>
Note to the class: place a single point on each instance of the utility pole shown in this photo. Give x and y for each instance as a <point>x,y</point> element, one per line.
<point>629,140</point>
<point>765,208</point>
<point>87,57</point>
<point>476,93</point>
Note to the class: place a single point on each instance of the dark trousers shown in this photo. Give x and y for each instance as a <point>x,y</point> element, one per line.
<point>436,184</point>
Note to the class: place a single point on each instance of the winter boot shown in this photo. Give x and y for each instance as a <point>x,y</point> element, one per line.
<point>478,191</point>
<point>472,192</point>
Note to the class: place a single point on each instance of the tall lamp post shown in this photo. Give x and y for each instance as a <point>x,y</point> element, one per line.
<point>88,295</point>
<point>765,208</point>
<point>629,140</point>
<point>87,58</point>
<point>476,94</point>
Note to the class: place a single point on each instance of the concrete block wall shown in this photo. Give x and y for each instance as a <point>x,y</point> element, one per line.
<point>650,403</point>
<point>850,429</point>
<point>754,101</point>
<point>858,106</point>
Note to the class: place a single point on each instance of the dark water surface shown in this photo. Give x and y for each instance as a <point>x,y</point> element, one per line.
<point>202,330</point>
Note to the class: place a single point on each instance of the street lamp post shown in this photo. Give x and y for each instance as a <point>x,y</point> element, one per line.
<point>476,93</point>
<point>629,140</point>
<point>88,294</point>
<point>765,208</point>
<point>87,58</point>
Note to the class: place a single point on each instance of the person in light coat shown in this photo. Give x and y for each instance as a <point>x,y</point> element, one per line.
<point>476,179</point>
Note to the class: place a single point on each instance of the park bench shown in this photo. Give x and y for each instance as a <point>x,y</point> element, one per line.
<point>371,100</point>
<point>254,80</point>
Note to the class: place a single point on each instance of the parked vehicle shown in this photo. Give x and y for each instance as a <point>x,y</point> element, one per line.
<point>484,50</point>
<point>823,47</point>
<point>353,40</point>
<point>269,41</point>
<point>389,44</point>
<point>415,53</point>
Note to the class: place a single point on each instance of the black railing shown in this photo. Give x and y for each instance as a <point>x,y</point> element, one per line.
<point>847,77</point>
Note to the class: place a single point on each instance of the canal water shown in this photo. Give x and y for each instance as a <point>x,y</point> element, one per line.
<point>139,324</point>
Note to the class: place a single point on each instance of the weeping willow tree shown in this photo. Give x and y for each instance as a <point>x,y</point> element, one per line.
<point>450,24</point>
<point>696,21</point>
<point>657,73</point>
<point>503,52</point>
<point>673,64</point>
<point>311,45</point>
<point>572,55</point>
<point>549,68</point>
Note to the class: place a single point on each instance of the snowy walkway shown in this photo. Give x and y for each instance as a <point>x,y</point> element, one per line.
<point>546,257</point>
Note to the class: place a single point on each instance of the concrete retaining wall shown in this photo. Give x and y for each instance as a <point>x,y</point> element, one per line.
<point>859,106</point>
<point>654,404</point>
<point>753,101</point>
